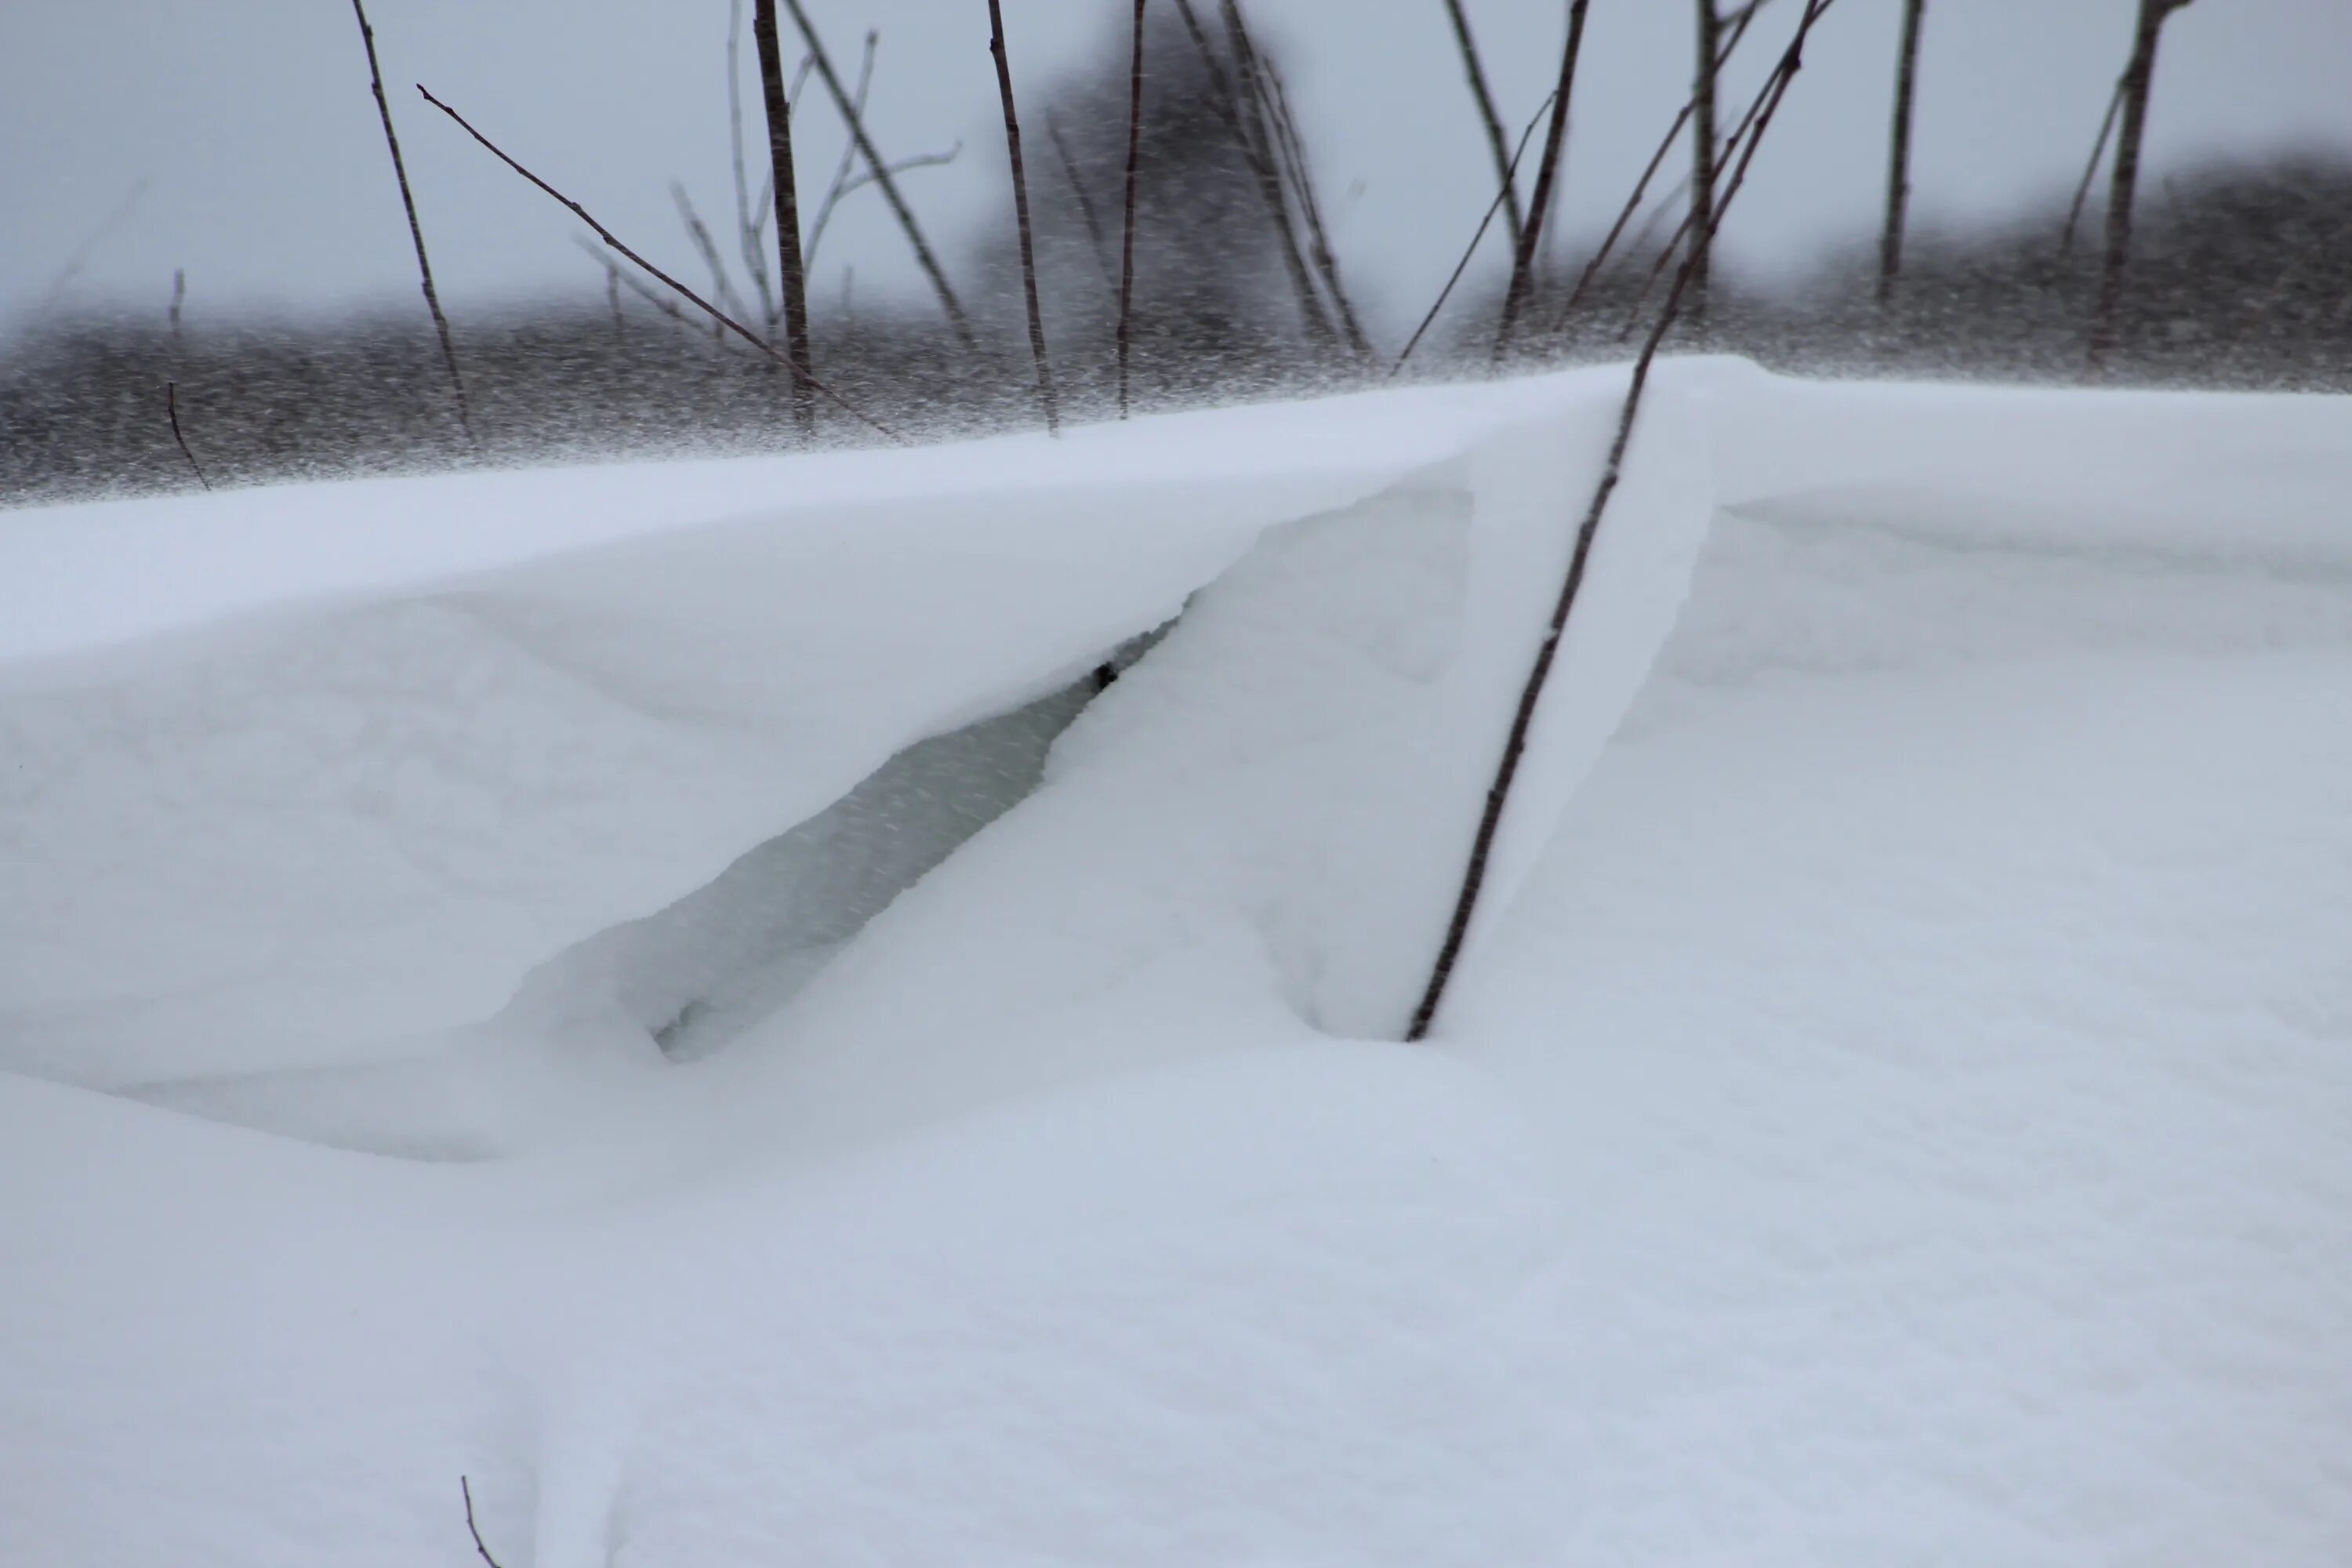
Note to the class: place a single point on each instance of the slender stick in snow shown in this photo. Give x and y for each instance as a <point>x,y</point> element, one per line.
<point>1510,171</point>
<point>2091,170</point>
<point>1505,161</point>
<point>172,408</point>
<point>1898,156</point>
<point>1739,24</point>
<point>1523,258</point>
<point>415,231</point>
<point>706,307</point>
<point>467,1488</point>
<point>2138,78</point>
<point>1086,212</point>
<point>1046,402</point>
<point>1230,106</point>
<point>1703,157</point>
<point>1127,238</point>
<point>930,263</point>
<point>1473,875</point>
<point>791,274</point>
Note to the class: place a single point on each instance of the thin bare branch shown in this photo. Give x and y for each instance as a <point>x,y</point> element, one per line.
<point>1898,156</point>
<point>1087,214</point>
<point>1738,21</point>
<point>1046,400</point>
<point>612,240</point>
<point>1510,173</point>
<point>1704,164</point>
<point>1523,257</point>
<point>2091,169</point>
<point>179,295</point>
<point>837,188</point>
<point>746,233</point>
<point>171,407</point>
<point>1505,161</point>
<point>1276,99</point>
<point>1232,107</point>
<point>882,175</point>
<point>1490,821</point>
<point>415,231</point>
<point>2138,80</point>
<point>792,271</point>
<point>467,1487</point>
<point>862,179</point>
<point>707,248</point>
<point>1127,242</point>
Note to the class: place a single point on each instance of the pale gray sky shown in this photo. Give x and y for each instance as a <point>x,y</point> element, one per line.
<point>247,132</point>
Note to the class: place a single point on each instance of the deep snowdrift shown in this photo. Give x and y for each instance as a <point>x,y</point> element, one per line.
<point>1894,1110</point>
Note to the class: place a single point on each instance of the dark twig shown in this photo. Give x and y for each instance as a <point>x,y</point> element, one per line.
<point>746,235</point>
<point>1276,99</point>
<point>2091,170</point>
<point>1898,156</point>
<point>415,231</point>
<point>858,181</point>
<point>792,272</point>
<point>1612,469</point>
<point>1231,107</point>
<point>1510,171</point>
<point>1739,29</point>
<point>1704,165</point>
<point>1523,258</point>
<point>1087,214</point>
<point>616,280</point>
<point>1127,242</point>
<point>707,248</point>
<point>467,1487</point>
<point>179,294</point>
<point>881,168</point>
<point>171,407</point>
<point>839,186</point>
<point>1505,162</point>
<point>738,329</point>
<point>1046,401</point>
<point>2139,79</point>
<point>1694,214</point>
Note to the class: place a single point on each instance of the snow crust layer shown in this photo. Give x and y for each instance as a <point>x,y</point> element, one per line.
<point>1895,1110</point>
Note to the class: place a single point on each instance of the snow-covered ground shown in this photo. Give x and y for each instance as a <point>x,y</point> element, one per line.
<point>462,1012</point>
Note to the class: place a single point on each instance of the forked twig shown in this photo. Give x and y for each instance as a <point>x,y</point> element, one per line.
<point>415,231</point>
<point>1506,161</point>
<point>1510,173</point>
<point>171,407</point>
<point>1474,876</point>
<point>882,175</point>
<point>1523,258</point>
<point>837,188</point>
<point>1739,29</point>
<point>610,239</point>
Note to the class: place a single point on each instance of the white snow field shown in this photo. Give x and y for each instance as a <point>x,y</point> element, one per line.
<point>662,990</point>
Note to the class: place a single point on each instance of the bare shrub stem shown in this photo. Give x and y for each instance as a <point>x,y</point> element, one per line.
<point>416,230</point>
<point>883,177</point>
<point>1127,240</point>
<point>1523,258</point>
<point>606,235</point>
<point>172,408</point>
<point>1046,401</point>
<point>1490,821</point>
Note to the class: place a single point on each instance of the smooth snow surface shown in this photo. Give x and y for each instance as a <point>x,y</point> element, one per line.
<point>1895,1109</point>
